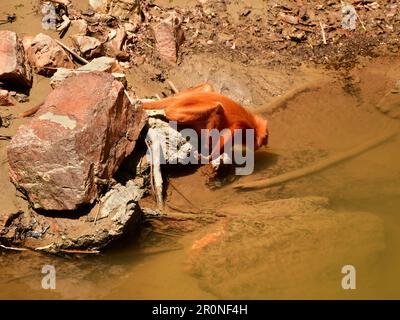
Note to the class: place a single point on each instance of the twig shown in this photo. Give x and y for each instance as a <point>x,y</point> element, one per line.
<point>174,89</point>
<point>316,167</point>
<point>149,45</point>
<point>129,98</point>
<point>183,196</point>
<point>13,248</point>
<point>362,24</point>
<point>97,212</point>
<point>323,32</point>
<point>44,248</point>
<point>182,211</point>
<point>151,167</point>
<point>80,251</point>
<point>83,60</point>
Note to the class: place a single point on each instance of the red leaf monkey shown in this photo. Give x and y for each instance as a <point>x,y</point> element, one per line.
<point>202,108</point>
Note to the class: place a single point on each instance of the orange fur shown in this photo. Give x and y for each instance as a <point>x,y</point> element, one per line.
<point>202,108</point>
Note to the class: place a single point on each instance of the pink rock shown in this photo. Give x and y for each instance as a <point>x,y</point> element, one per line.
<point>89,47</point>
<point>168,36</point>
<point>80,26</point>
<point>100,6</point>
<point>114,46</point>
<point>59,158</point>
<point>45,54</point>
<point>14,68</point>
<point>6,99</point>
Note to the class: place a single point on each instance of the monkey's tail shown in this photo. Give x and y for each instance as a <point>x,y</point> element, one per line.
<point>30,112</point>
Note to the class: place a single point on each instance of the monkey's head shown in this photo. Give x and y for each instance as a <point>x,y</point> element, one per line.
<point>261,132</point>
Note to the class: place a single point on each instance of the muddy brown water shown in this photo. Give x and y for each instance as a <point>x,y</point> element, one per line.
<point>309,127</point>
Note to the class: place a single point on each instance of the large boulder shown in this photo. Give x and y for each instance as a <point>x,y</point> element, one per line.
<point>45,54</point>
<point>77,139</point>
<point>14,68</point>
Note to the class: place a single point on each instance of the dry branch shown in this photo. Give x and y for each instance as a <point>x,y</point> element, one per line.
<point>69,50</point>
<point>173,87</point>
<point>155,154</point>
<point>13,248</point>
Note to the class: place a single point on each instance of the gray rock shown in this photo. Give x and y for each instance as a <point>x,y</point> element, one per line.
<point>175,148</point>
<point>118,215</point>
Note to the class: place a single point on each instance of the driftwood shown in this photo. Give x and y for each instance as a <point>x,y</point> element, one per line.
<point>13,248</point>
<point>156,175</point>
<point>316,167</point>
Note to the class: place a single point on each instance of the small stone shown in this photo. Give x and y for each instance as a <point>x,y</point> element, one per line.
<point>6,98</point>
<point>124,9</point>
<point>89,47</point>
<point>114,46</point>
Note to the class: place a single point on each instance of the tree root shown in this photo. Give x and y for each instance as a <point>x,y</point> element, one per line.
<point>281,101</point>
<point>316,167</point>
